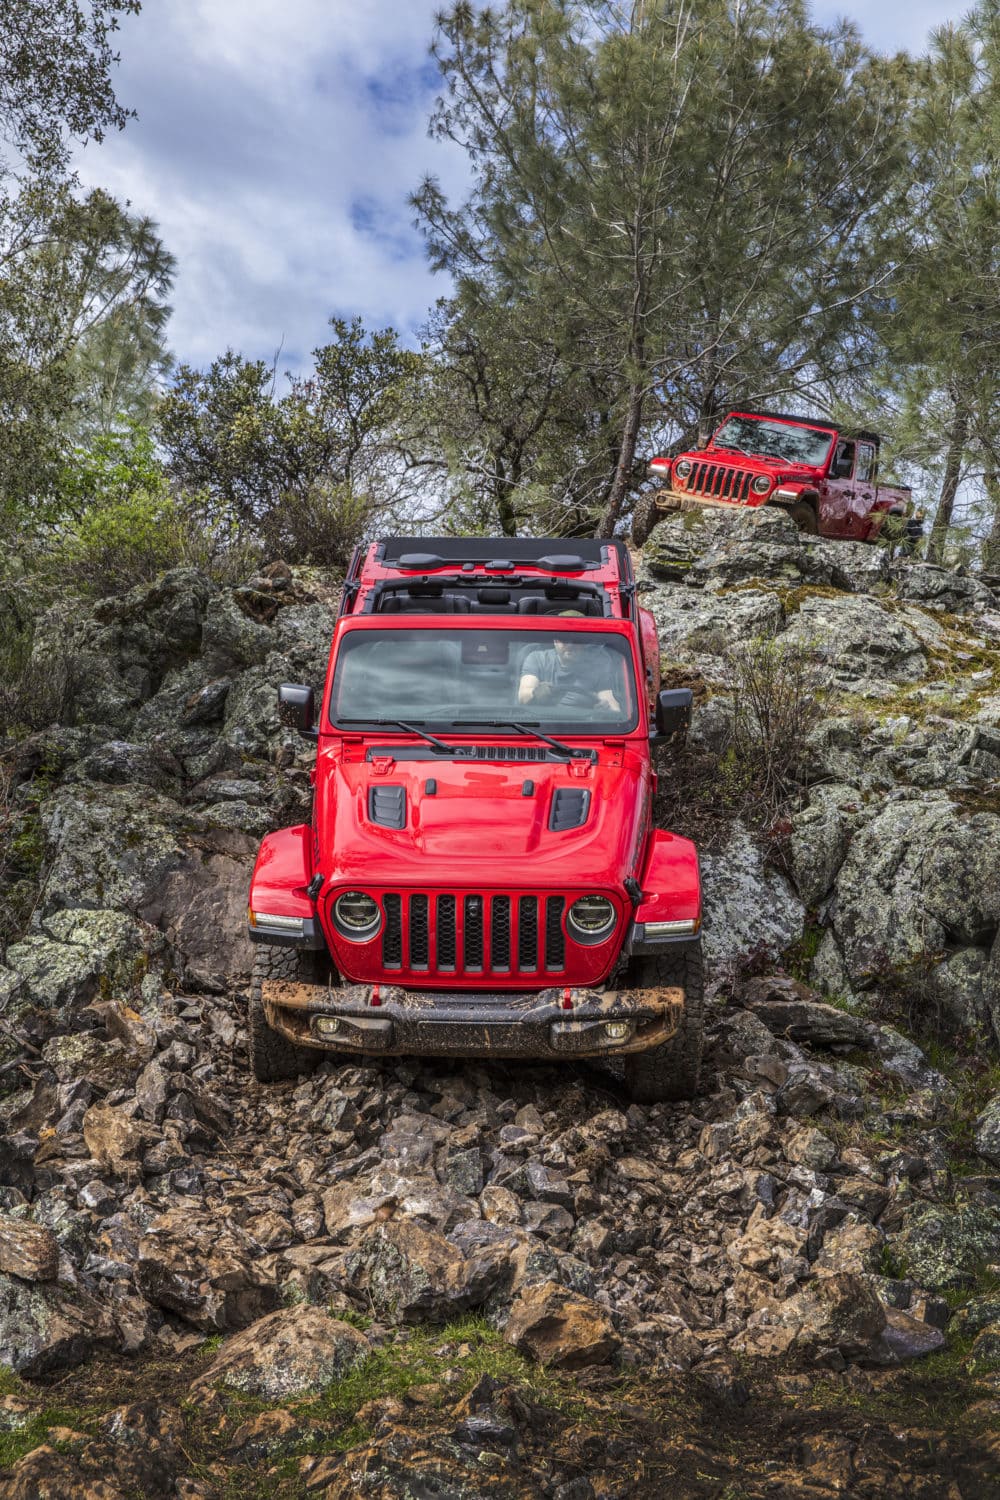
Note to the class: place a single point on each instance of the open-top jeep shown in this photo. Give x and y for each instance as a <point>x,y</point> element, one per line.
<point>825,478</point>
<point>481,875</point>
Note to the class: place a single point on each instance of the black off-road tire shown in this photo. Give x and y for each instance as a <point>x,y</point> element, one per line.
<point>644,518</point>
<point>803,513</point>
<point>272,1056</point>
<point>671,1071</point>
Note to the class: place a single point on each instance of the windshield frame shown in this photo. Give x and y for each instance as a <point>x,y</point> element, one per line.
<point>526,713</point>
<point>775,423</point>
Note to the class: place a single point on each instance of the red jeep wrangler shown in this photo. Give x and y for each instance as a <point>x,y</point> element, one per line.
<point>826,479</point>
<point>481,876</point>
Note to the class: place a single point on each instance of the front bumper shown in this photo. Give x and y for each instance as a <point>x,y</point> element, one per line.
<point>563,1021</point>
<point>679,500</point>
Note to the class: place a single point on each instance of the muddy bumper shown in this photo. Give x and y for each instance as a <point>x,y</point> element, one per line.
<point>678,500</point>
<point>557,1022</point>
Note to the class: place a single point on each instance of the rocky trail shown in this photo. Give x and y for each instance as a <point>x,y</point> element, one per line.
<point>423,1279</point>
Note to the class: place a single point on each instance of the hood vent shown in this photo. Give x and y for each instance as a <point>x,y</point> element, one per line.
<point>570,805</point>
<point>387,806</point>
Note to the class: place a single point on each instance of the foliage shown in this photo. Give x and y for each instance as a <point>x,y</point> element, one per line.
<point>779,696</point>
<point>265,464</point>
<point>682,198</point>
<point>55,74</point>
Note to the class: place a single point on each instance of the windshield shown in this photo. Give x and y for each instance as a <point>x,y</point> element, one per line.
<point>579,682</point>
<point>763,439</point>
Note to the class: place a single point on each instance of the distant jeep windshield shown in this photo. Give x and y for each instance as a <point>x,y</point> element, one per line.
<point>576,682</point>
<point>764,439</point>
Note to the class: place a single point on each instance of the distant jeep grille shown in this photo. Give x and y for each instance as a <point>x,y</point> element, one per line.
<point>720,481</point>
<point>474,934</point>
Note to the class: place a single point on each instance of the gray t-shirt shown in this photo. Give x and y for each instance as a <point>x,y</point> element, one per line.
<point>577,682</point>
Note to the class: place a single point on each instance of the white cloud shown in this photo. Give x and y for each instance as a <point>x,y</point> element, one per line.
<point>276,145</point>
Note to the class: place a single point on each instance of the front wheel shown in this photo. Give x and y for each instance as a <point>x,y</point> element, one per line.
<point>670,1071</point>
<point>803,513</point>
<point>272,1056</point>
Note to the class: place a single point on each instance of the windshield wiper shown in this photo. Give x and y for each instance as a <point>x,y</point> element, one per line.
<point>526,728</point>
<point>410,729</point>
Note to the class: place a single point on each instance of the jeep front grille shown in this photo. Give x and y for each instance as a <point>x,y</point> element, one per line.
<point>720,481</point>
<point>474,934</point>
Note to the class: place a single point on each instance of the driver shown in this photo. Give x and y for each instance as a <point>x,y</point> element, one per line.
<point>574,671</point>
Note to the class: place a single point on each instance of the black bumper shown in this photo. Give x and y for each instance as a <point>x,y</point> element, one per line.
<point>551,1023</point>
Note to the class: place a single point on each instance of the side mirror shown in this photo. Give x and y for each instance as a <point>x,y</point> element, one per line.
<point>297,708</point>
<point>673,711</point>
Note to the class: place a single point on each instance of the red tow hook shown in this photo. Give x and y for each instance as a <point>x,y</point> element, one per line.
<point>567,999</point>
<point>375,998</point>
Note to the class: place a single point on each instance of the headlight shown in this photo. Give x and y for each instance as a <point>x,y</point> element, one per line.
<point>356,916</point>
<point>682,468</point>
<point>591,919</point>
<point>761,484</point>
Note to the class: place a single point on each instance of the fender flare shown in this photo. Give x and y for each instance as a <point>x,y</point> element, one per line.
<point>671,881</point>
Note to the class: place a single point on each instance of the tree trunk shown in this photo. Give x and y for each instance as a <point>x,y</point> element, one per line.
<point>626,460</point>
<point>949,487</point>
<point>991,546</point>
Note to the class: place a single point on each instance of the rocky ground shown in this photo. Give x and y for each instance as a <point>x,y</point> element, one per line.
<point>418,1279</point>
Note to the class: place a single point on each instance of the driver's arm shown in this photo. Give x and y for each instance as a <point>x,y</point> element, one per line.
<point>531,689</point>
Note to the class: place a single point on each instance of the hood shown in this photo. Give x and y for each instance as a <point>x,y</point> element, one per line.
<point>440,822</point>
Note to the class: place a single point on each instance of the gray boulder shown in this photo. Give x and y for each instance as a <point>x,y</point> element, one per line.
<point>858,639</point>
<point>943,1248</point>
<point>988,1132</point>
<point>750,908</point>
<point>918,879</point>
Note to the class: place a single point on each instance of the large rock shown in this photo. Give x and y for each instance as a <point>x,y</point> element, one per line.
<point>204,1269</point>
<point>750,908</point>
<point>988,1132</point>
<point>943,1248</point>
<point>290,1352</point>
<point>79,951</point>
<point>28,1250</point>
<point>47,1328</point>
<point>410,1273</point>
<point>920,878</point>
<point>857,639</point>
<point>833,1313</point>
<point>558,1327</point>
<point>131,849</point>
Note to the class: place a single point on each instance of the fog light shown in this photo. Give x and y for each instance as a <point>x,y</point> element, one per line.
<point>618,1031</point>
<point>326,1025</point>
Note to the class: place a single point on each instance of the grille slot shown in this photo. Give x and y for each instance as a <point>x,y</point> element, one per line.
<point>392,936</point>
<point>527,933</point>
<point>555,942</point>
<point>500,934</point>
<point>446,932</point>
<point>473,914</point>
<point>419,937</point>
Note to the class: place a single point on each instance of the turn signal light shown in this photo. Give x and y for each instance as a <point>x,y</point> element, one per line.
<point>269,919</point>
<point>673,929</point>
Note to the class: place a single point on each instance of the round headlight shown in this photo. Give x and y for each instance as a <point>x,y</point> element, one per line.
<point>356,916</point>
<point>682,468</point>
<point>761,484</point>
<point>591,919</point>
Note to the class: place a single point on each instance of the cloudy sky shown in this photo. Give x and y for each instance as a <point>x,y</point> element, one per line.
<point>276,145</point>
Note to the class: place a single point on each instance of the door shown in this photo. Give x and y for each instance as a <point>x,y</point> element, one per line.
<point>837,513</point>
<point>865,490</point>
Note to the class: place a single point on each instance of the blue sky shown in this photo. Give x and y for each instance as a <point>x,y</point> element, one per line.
<point>276,145</point>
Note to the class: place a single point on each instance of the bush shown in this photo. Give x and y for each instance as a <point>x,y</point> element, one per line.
<point>322,526</point>
<point>32,694</point>
<point>780,694</point>
<point>121,542</point>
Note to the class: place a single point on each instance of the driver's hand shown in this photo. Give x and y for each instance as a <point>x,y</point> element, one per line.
<point>544,692</point>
